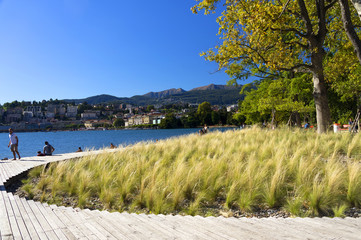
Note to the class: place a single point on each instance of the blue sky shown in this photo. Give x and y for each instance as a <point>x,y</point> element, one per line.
<point>79,48</point>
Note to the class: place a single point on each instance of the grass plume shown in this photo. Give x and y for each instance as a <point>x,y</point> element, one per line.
<point>300,171</point>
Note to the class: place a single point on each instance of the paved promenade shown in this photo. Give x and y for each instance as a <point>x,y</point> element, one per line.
<point>26,219</point>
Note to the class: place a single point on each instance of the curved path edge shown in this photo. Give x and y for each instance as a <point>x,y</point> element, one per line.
<point>26,219</point>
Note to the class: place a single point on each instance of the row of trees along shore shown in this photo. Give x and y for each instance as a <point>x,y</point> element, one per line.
<point>291,42</point>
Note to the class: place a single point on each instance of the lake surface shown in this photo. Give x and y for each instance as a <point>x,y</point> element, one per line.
<point>69,141</point>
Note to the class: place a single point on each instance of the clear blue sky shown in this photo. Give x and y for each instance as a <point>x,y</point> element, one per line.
<point>80,48</point>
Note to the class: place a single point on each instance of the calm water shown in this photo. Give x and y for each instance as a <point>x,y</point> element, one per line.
<point>65,142</point>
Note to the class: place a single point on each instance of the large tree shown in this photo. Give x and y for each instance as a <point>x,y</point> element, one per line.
<point>204,113</point>
<point>265,38</point>
<point>281,99</point>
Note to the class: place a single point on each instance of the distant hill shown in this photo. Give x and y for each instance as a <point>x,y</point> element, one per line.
<point>103,98</point>
<point>214,97</point>
<point>214,94</point>
<point>213,87</point>
<point>164,93</point>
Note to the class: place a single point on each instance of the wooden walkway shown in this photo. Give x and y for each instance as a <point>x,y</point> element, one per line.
<point>26,219</point>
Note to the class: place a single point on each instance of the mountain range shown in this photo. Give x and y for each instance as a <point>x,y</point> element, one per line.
<point>214,94</point>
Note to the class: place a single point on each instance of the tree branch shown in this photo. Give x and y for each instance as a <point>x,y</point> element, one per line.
<point>290,30</point>
<point>306,47</point>
<point>299,67</point>
<point>349,28</point>
<point>305,17</point>
<point>330,5</point>
<point>283,10</point>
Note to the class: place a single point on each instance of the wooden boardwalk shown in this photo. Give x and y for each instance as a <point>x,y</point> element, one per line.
<point>26,219</point>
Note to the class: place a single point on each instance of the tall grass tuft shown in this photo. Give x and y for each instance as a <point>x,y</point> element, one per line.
<point>302,172</point>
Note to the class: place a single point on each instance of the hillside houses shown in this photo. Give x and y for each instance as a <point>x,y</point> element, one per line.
<point>145,119</point>
<point>60,116</point>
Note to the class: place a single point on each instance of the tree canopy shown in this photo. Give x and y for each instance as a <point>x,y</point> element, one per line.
<point>268,38</point>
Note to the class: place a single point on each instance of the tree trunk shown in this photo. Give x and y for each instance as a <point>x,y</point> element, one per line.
<point>357,6</point>
<point>273,118</point>
<point>348,25</point>
<point>298,119</point>
<point>321,101</point>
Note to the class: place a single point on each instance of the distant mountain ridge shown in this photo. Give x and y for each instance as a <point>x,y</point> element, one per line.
<point>164,93</point>
<point>213,87</point>
<point>215,94</point>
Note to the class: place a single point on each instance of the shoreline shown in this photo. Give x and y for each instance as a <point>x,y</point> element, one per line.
<point>102,129</point>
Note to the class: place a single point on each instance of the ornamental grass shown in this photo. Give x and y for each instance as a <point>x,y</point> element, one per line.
<point>299,171</point>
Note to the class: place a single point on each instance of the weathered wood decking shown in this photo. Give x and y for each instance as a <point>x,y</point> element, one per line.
<point>26,219</point>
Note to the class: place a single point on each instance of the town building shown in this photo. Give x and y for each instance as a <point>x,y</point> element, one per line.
<point>88,115</point>
<point>231,108</point>
<point>14,115</point>
<point>71,111</point>
<point>55,109</point>
<point>36,110</point>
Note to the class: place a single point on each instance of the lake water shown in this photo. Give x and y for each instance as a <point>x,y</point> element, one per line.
<point>69,141</point>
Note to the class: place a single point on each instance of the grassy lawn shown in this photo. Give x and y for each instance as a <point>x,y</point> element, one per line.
<point>297,171</point>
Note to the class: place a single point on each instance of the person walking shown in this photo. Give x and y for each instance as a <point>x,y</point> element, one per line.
<point>48,149</point>
<point>13,143</point>
<point>350,123</point>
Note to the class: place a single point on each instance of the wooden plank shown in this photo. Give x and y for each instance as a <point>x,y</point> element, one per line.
<point>167,229</point>
<point>332,230</point>
<point>19,219</point>
<point>13,224</point>
<point>183,225</point>
<point>307,231</point>
<point>127,230</point>
<point>5,171</point>
<point>208,229</point>
<point>5,227</point>
<point>89,231</point>
<point>2,173</point>
<point>62,226</point>
<point>142,229</point>
<point>106,224</point>
<point>50,218</point>
<point>98,226</point>
<point>151,230</point>
<point>223,230</point>
<point>282,229</point>
<point>347,225</point>
<point>42,220</point>
<point>15,167</point>
<point>34,219</point>
<point>69,225</point>
<point>9,170</point>
<point>28,223</point>
<point>248,226</point>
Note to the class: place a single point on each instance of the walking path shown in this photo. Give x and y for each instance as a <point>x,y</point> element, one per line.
<point>26,219</point>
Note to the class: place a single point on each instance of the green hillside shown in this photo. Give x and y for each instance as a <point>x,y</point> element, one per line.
<point>223,96</point>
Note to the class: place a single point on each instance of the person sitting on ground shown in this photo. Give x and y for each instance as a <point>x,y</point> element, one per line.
<point>79,150</point>
<point>307,125</point>
<point>40,154</point>
<point>205,129</point>
<point>112,146</point>
<point>48,149</point>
